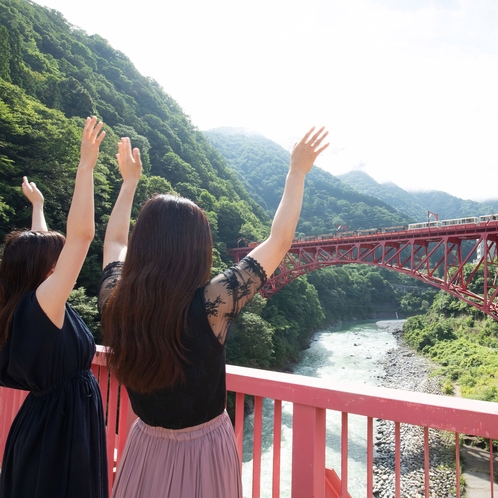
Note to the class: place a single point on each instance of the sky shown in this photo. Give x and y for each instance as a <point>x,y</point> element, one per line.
<point>408,89</point>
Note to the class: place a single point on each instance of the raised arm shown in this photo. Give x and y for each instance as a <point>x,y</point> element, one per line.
<point>118,226</point>
<point>30,190</point>
<point>270,252</point>
<point>52,294</point>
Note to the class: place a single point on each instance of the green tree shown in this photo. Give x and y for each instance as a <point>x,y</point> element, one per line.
<point>4,54</point>
<point>251,342</point>
<point>87,308</point>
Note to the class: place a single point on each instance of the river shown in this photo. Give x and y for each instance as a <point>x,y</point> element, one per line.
<point>350,353</point>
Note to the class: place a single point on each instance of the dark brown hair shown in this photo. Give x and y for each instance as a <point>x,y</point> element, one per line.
<point>27,259</point>
<point>169,257</point>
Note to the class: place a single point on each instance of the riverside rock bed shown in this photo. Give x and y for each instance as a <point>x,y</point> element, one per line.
<point>404,369</point>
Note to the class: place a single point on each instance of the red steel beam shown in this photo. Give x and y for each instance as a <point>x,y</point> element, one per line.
<point>433,256</point>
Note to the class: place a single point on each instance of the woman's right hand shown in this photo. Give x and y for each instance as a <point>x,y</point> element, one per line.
<point>307,150</point>
<point>118,226</point>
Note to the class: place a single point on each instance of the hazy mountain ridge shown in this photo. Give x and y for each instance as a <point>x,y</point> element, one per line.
<point>417,204</point>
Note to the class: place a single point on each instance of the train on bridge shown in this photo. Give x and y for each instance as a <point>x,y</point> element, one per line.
<point>343,231</point>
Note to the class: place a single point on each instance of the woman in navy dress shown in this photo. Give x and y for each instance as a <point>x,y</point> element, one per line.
<point>56,445</point>
<point>166,324</point>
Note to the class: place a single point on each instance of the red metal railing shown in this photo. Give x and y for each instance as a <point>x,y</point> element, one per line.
<point>311,398</point>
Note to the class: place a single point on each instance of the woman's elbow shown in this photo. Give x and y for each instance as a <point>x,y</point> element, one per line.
<point>279,243</point>
<point>83,236</point>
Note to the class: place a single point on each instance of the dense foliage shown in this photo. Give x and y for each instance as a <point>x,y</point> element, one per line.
<point>417,204</point>
<point>462,340</point>
<point>451,207</point>
<point>52,75</point>
<point>361,292</point>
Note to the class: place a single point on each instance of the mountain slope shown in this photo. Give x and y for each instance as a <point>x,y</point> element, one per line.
<point>262,166</point>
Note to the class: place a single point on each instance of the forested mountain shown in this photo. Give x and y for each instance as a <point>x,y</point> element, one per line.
<point>53,75</point>
<point>417,204</point>
<point>388,192</point>
<point>328,203</point>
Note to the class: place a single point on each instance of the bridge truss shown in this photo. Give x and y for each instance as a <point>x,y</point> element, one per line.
<point>436,256</point>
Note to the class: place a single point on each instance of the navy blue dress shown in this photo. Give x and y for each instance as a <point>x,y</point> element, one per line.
<point>56,445</point>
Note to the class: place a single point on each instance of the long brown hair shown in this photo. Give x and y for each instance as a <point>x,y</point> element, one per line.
<point>27,259</point>
<point>169,257</point>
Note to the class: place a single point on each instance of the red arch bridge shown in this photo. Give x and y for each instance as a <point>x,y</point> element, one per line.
<point>436,255</point>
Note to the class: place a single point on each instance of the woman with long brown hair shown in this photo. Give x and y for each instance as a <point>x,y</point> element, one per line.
<point>166,323</point>
<point>56,444</point>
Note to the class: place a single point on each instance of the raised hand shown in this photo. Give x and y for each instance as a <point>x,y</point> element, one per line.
<point>129,161</point>
<point>53,292</point>
<point>30,190</point>
<point>307,150</point>
<point>270,252</point>
<point>90,142</point>
<point>116,235</point>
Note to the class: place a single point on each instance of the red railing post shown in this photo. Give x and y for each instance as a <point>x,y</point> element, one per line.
<point>308,451</point>
<point>370,435</point>
<point>277,441</point>
<point>239,424</point>
<point>344,453</point>
<point>10,401</point>
<point>126,419</point>
<point>257,440</point>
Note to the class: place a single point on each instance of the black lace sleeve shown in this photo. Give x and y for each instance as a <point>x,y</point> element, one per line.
<point>226,294</point>
<point>108,280</point>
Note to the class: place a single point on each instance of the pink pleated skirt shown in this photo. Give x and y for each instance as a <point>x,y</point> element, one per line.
<point>196,462</point>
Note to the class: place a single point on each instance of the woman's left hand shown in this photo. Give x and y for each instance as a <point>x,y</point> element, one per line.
<point>129,161</point>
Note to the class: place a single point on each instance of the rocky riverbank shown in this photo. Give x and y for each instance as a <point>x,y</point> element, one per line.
<point>404,369</point>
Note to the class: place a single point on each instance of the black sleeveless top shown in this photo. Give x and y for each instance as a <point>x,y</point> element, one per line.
<point>214,308</point>
<point>56,445</point>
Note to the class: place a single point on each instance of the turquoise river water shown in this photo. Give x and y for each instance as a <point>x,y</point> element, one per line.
<point>349,354</point>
